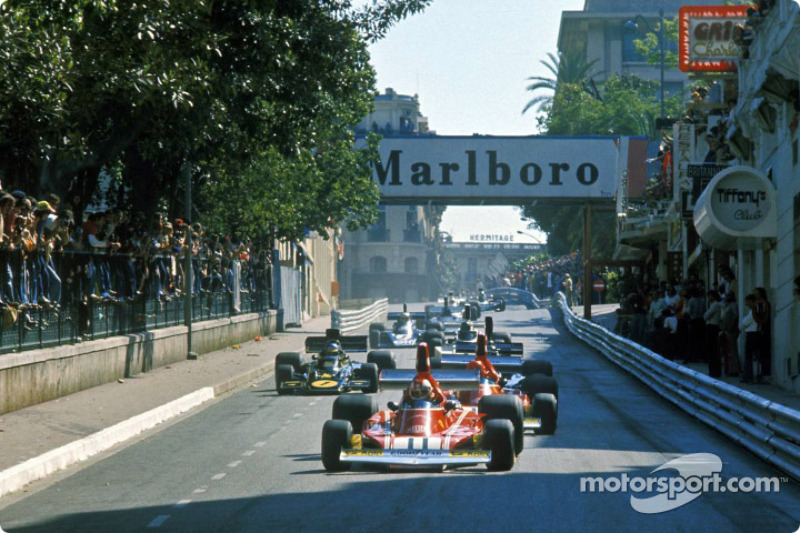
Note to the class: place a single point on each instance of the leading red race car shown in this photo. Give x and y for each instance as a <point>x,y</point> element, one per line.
<point>426,429</point>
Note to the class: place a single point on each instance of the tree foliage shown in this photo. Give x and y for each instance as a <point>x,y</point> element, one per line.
<point>569,69</point>
<point>257,96</point>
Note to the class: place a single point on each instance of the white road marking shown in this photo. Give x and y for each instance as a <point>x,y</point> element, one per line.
<point>297,415</point>
<point>260,444</point>
<point>201,490</point>
<point>248,453</point>
<point>313,403</point>
<point>157,521</point>
<point>182,503</point>
<point>234,464</point>
<point>219,476</point>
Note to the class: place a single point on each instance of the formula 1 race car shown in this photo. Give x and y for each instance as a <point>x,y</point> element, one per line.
<point>530,380</point>
<point>427,429</point>
<point>405,331</point>
<point>331,371</point>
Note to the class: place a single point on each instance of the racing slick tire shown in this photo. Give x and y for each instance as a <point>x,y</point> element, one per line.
<point>336,434</point>
<point>435,356</point>
<point>545,407</point>
<point>283,373</point>
<point>369,371</point>
<point>294,359</point>
<point>383,358</point>
<point>433,324</point>
<point>375,330</point>
<point>498,438</point>
<point>502,337</point>
<point>537,383</point>
<point>509,407</point>
<point>354,408</point>
<point>474,310</point>
<point>536,366</point>
<point>500,305</point>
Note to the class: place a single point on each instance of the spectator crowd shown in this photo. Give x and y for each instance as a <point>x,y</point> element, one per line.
<point>51,259</point>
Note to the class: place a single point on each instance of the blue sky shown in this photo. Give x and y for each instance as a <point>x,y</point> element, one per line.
<point>468,61</point>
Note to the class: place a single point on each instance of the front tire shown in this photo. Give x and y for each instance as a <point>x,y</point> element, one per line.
<point>545,407</point>
<point>283,373</point>
<point>508,407</point>
<point>498,438</point>
<point>336,435</point>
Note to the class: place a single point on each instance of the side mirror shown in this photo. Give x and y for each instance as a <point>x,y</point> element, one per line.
<point>393,406</point>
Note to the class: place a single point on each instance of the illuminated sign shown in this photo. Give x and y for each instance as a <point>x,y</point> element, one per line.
<point>705,37</point>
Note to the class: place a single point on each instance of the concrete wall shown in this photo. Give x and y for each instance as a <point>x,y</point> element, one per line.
<point>37,376</point>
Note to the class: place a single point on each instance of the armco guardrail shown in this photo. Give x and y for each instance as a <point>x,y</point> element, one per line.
<point>346,321</point>
<point>769,430</point>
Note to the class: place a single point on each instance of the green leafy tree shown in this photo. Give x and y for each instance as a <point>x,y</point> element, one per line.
<point>246,91</point>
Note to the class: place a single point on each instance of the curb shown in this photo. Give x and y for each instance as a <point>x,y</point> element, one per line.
<point>16,477</point>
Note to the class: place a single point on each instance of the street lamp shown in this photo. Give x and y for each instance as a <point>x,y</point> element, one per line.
<point>531,235</point>
<point>632,27</point>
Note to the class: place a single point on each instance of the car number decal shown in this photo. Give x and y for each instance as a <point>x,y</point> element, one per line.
<point>324,383</point>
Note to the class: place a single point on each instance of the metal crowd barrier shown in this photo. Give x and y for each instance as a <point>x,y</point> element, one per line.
<point>28,327</point>
<point>346,321</point>
<point>768,429</point>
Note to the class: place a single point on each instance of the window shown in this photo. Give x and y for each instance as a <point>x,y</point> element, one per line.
<point>411,265</point>
<point>377,264</point>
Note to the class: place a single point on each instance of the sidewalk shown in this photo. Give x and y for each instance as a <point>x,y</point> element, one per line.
<point>605,316</point>
<point>38,440</point>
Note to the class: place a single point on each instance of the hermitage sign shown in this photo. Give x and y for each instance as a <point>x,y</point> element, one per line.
<point>483,169</point>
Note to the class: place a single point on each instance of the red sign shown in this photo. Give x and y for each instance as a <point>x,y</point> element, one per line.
<point>705,37</point>
<point>599,285</point>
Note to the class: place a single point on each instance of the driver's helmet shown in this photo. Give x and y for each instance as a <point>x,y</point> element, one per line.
<point>420,389</point>
<point>332,348</point>
<point>464,327</point>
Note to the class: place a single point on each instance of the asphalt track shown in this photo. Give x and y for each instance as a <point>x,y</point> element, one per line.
<point>250,462</point>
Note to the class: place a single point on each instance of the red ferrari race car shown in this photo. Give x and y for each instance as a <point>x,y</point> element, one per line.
<point>527,380</point>
<point>427,429</point>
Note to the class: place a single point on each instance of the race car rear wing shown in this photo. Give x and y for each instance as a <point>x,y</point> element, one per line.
<point>504,365</point>
<point>510,348</point>
<point>350,343</point>
<point>392,379</point>
<point>417,315</point>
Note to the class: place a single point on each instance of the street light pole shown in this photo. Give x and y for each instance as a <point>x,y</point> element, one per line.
<point>632,26</point>
<point>661,45</point>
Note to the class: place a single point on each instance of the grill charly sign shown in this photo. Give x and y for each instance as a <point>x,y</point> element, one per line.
<point>499,170</point>
<point>737,209</point>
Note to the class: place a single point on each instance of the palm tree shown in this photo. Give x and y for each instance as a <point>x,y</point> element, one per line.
<point>566,68</point>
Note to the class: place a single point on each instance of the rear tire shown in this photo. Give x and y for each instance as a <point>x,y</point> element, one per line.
<point>383,358</point>
<point>508,407</point>
<point>536,366</point>
<point>336,434</point>
<point>502,337</point>
<point>538,383</point>
<point>283,373</point>
<point>474,310</point>
<point>354,408</point>
<point>498,438</point>
<point>295,359</point>
<point>500,305</point>
<point>545,407</point>
<point>435,356</point>
<point>375,330</point>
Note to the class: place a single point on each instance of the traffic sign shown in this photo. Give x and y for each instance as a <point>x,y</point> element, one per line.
<point>599,285</point>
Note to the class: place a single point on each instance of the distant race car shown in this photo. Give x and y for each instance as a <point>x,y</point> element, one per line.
<point>331,371</point>
<point>405,330</point>
<point>529,379</point>
<point>427,428</point>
